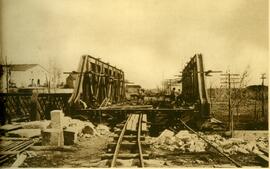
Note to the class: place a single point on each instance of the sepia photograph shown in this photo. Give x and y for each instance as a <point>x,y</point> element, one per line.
<point>134,83</point>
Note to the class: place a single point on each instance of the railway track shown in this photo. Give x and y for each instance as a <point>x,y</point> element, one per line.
<point>219,149</point>
<point>129,143</point>
<point>14,149</point>
<point>264,158</point>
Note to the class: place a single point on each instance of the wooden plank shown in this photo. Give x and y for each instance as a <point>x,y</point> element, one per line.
<point>144,127</point>
<point>10,146</point>
<point>129,138</point>
<point>144,118</point>
<point>263,157</point>
<point>129,123</point>
<point>9,152</point>
<point>132,121</point>
<point>129,143</point>
<point>135,122</point>
<point>19,161</point>
<point>144,124</point>
<point>264,150</point>
<point>13,138</point>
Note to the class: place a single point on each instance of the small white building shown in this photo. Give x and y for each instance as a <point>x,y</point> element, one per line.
<point>24,75</point>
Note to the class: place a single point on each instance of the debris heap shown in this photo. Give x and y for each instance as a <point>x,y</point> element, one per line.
<point>56,132</point>
<point>184,141</point>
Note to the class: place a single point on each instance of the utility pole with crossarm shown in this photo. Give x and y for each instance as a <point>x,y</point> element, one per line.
<point>229,80</point>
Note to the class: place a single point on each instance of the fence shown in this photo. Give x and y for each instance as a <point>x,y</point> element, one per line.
<point>18,104</point>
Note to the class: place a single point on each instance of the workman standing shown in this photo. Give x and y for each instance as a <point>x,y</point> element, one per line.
<point>172,95</point>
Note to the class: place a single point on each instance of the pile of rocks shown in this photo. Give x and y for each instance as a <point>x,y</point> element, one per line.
<point>184,141</point>
<point>74,128</point>
<point>238,145</point>
<point>85,128</point>
<point>81,128</point>
<point>36,124</point>
<point>262,142</point>
<point>60,130</point>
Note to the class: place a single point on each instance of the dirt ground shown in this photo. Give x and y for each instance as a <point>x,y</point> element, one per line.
<point>89,151</point>
<point>87,155</point>
<point>209,158</point>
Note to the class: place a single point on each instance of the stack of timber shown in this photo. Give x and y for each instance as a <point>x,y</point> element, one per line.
<point>15,148</point>
<point>132,124</point>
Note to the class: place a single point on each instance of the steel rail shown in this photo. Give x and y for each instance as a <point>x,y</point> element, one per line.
<point>216,148</point>
<point>139,141</point>
<point>119,142</point>
<point>11,146</point>
<point>20,147</point>
<point>12,155</point>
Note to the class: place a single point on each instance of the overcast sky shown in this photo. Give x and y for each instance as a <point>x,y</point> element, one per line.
<point>150,40</point>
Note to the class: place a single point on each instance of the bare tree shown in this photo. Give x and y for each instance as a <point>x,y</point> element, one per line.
<point>55,74</point>
<point>240,94</point>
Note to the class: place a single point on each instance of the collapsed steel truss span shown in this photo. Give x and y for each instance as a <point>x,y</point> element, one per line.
<point>97,82</point>
<point>194,87</point>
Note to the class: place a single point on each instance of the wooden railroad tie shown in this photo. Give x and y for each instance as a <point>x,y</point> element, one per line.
<point>123,156</point>
<point>127,145</point>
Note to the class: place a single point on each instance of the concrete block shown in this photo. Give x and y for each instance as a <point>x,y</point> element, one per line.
<point>52,137</point>
<point>36,124</point>
<point>28,133</point>
<point>9,127</point>
<point>70,136</point>
<point>57,117</point>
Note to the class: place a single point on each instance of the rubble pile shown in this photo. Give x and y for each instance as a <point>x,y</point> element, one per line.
<point>85,128</point>
<point>262,142</point>
<point>103,129</point>
<point>82,128</point>
<point>184,141</point>
<point>237,145</point>
<point>60,130</point>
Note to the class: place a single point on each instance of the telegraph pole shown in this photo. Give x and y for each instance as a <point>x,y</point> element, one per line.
<point>210,93</point>
<point>7,75</point>
<point>228,80</point>
<point>262,92</point>
<point>208,73</point>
